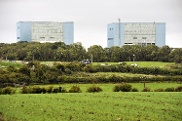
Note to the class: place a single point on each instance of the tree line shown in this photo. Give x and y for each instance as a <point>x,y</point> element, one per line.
<point>76,52</point>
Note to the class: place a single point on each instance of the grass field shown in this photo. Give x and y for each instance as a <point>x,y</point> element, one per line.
<point>18,64</point>
<point>118,106</point>
<point>142,63</point>
<point>109,87</point>
<point>4,64</point>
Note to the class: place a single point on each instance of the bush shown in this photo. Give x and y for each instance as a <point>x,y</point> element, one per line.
<point>159,90</point>
<point>75,89</point>
<point>116,88</point>
<point>63,90</point>
<point>134,90</point>
<point>178,89</point>
<point>94,89</point>
<point>170,89</point>
<point>55,90</point>
<point>146,89</point>
<point>44,90</point>
<point>49,89</point>
<point>36,90</point>
<point>7,90</point>
<point>122,87</point>
<point>25,90</point>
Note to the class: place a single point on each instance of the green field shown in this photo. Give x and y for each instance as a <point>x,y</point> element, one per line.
<point>109,87</point>
<point>4,64</point>
<point>18,64</point>
<point>142,63</point>
<point>118,106</point>
<point>103,106</point>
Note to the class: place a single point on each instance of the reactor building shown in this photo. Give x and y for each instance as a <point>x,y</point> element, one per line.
<point>44,31</point>
<point>136,33</point>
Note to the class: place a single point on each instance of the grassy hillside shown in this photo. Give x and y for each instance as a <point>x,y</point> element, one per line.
<point>116,106</point>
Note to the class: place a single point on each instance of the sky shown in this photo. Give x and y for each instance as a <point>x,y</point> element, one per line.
<point>91,17</point>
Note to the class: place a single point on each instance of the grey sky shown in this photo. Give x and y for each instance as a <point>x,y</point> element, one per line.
<point>91,17</point>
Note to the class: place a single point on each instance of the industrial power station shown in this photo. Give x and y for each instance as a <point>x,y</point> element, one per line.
<point>136,33</point>
<point>44,31</point>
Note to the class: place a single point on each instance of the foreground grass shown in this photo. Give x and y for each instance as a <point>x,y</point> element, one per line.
<point>103,106</point>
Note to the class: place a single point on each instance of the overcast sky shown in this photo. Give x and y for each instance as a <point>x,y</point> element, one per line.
<point>91,17</point>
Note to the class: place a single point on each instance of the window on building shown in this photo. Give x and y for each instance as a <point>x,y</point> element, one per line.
<point>18,37</point>
<point>144,37</point>
<point>134,37</point>
<point>42,37</point>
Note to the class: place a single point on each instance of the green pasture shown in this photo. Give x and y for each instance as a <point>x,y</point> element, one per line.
<point>141,63</point>
<point>109,87</point>
<point>104,106</point>
<point>123,74</point>
<point>5,64</point>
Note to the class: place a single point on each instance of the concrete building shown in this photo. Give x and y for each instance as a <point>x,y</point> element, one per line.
<point>44,31</point>
<point>119,34</point>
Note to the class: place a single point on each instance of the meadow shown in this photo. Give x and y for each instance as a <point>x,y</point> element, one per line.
<point>142,63</point>
<point>104,106</point>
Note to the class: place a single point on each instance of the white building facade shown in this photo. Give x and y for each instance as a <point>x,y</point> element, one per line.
<point>46,32</point>
<point>119,34</point>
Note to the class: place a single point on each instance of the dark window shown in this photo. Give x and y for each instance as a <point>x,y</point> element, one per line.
<point>110,38</point>
<point>144,37</point>
<point>134,37</point>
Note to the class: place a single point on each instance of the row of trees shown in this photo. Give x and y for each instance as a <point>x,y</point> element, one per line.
<point>74,72</point>
<point>76,52</point>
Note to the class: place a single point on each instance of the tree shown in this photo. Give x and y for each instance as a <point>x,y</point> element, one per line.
<point>98,53</point>
<point>176,55</point>
<point>163,53</point>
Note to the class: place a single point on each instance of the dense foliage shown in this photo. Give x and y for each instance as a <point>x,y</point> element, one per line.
<point>76,72</point>
<point>76,52</point>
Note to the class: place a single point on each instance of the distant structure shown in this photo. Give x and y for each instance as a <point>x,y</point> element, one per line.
<point>136,33</point>
<point>44,31</point>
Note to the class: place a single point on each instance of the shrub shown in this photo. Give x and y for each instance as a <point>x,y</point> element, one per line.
<point>170,89</point>
<point>63,90</point>
<point>75,89</point>
<point>122,87</point>
<point>59,89</point>
<point>94,89</point>
<point>55,90</point>
<point>68,71</point>
<point>159,90</point>
<point>49,89</point>
<point>44,90</point>
<point>36,90</point>
<point>25,90</point>
<point>7,90</point>
<point>178,89</point>
<point>146,89</point>
<point>126,87</point>
<point>134,90</point>
<point>116,88</point>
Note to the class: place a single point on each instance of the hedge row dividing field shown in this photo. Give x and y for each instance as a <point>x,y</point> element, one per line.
<point>105,106</point>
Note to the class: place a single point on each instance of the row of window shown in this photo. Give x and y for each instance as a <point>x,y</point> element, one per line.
<point>142,37</point>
